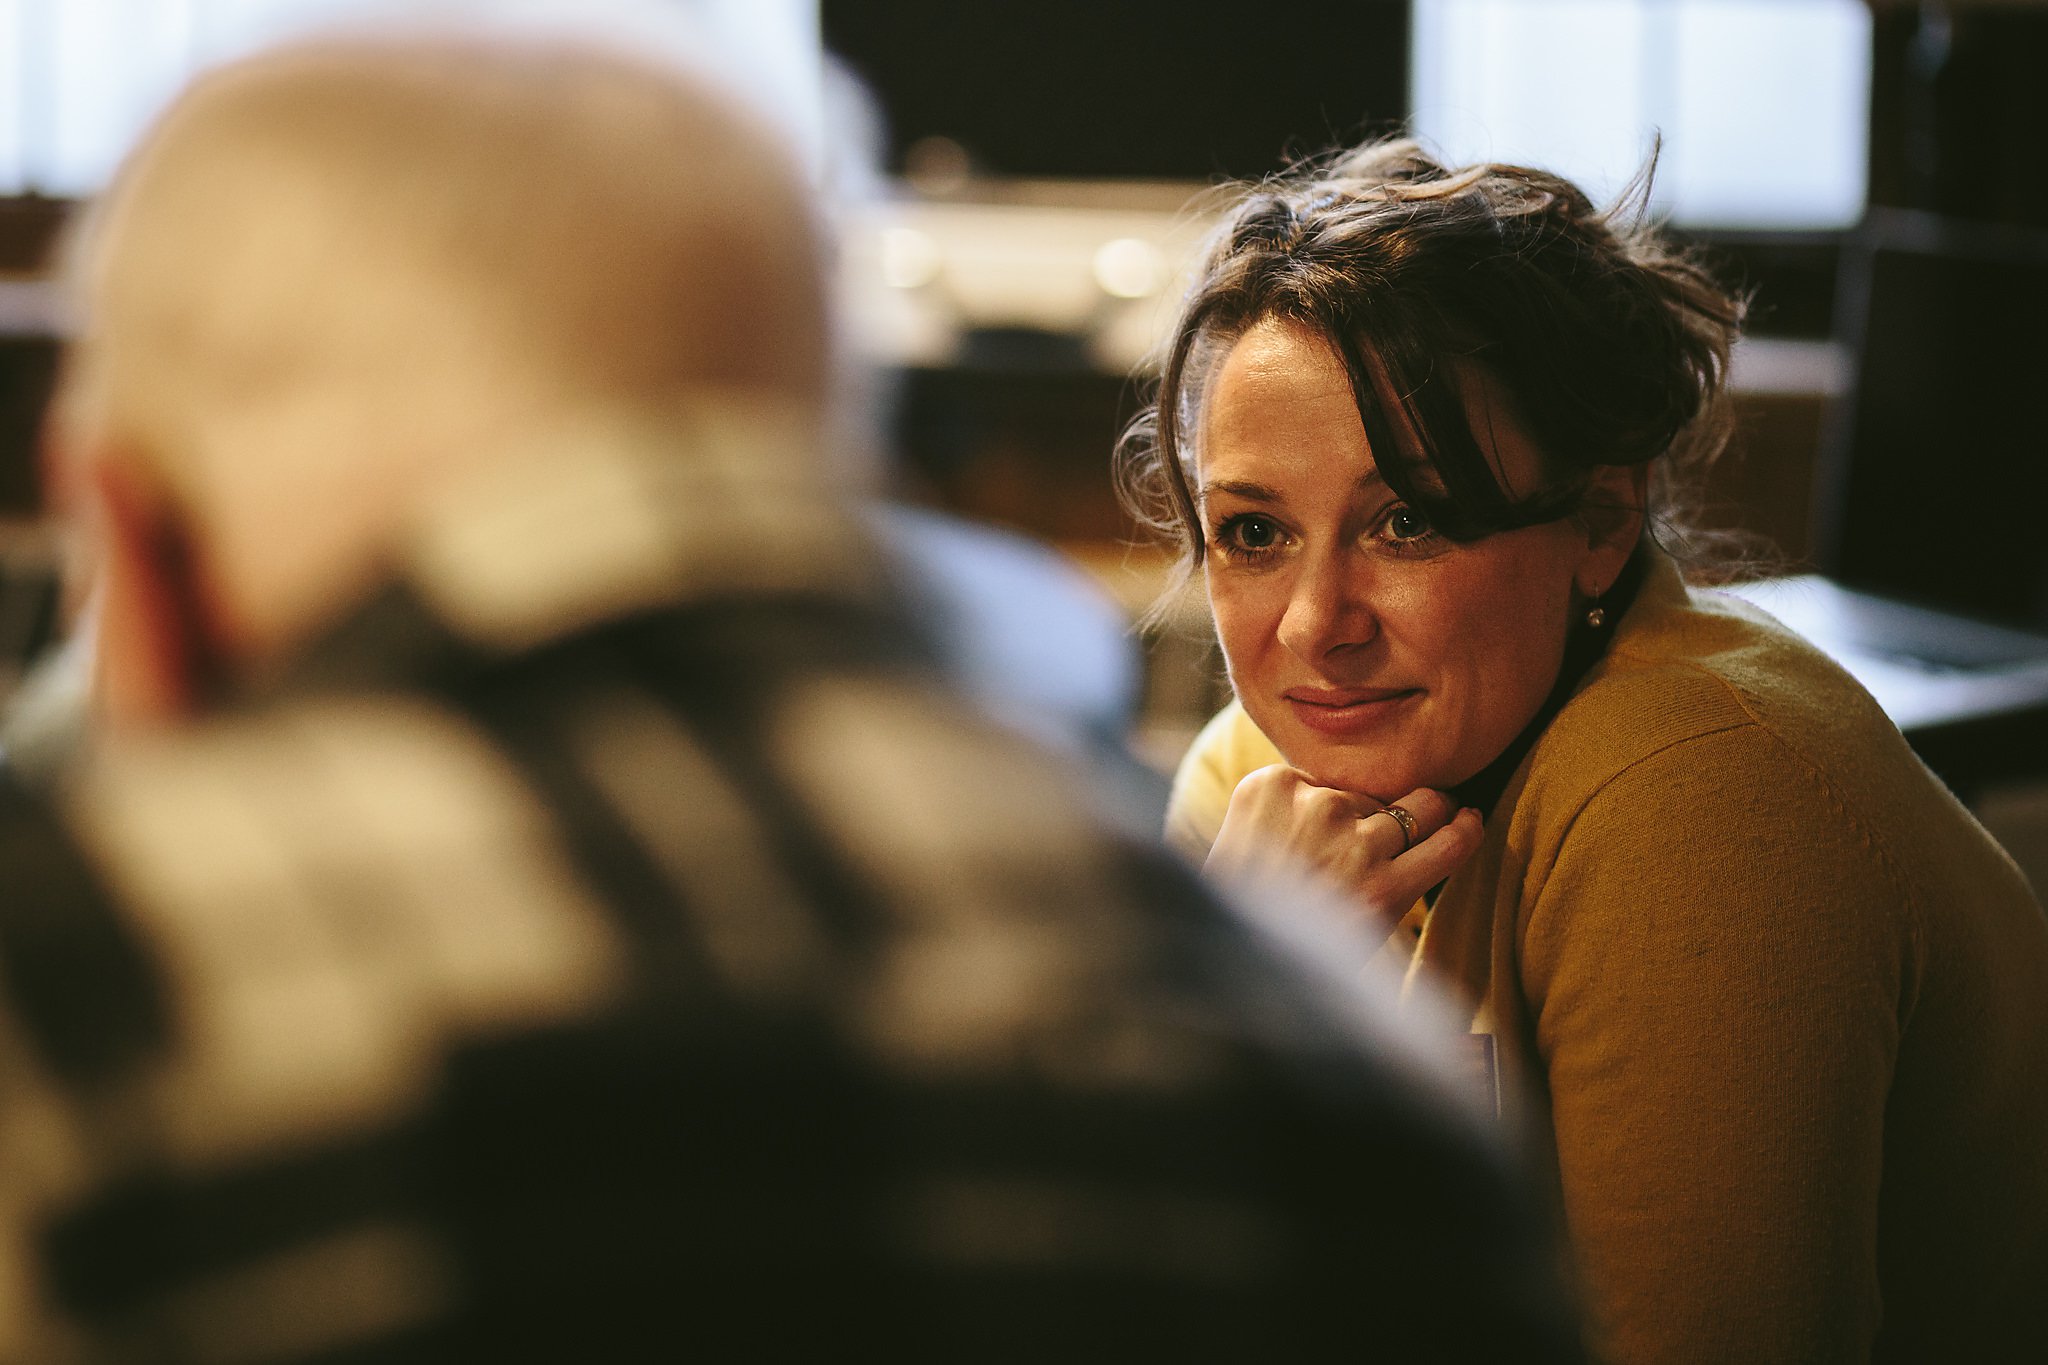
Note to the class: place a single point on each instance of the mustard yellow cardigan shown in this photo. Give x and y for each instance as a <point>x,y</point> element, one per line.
<point>1769,1004</point>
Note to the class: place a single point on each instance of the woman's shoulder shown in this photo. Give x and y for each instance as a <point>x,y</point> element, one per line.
<point>1688,663</point>
<point>1707,711</point>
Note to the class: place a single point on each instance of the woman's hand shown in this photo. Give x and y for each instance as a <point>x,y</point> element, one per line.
<point>1279,821</point>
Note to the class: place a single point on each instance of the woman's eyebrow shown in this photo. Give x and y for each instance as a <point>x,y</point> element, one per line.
<point>1240,488</point>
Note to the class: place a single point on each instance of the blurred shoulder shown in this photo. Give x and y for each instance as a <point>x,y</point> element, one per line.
<point>264,805</point>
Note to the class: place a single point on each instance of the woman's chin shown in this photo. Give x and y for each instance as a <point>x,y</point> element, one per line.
<point>1379,782</point>
<point>1383,769</point>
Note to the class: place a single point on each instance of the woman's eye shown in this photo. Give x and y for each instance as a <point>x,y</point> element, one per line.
<point>1249,534</point>
<point>1406,523</point>
<point>1256,533</point>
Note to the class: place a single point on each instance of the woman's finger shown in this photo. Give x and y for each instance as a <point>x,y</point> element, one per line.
<point>1278,820</point>
<point>1426,811</point>
<point>1403,880</point>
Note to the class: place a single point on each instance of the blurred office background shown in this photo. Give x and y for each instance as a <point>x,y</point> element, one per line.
<point>1021,186</point>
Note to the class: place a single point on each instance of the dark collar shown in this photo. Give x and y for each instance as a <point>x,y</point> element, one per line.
<point>395,641</point>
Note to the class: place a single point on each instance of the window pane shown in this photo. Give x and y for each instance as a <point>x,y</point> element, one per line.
<point>1763,104</point>
<point>82,78</point>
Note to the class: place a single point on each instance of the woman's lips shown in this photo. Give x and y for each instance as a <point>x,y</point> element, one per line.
<point>1346,712</point>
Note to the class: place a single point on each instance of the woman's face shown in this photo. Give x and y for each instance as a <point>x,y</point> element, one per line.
<point>1376,655</point>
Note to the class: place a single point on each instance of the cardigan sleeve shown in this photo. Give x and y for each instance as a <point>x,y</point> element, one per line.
<point>1715,965</point>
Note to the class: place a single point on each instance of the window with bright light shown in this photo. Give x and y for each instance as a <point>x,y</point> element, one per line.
<point>79,79</point>
<point>82,77</point>
<point>1763,105</point>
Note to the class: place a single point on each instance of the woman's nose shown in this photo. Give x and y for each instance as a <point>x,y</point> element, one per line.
<point>1329,609</point>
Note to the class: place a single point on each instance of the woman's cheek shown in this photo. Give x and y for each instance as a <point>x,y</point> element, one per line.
<point>1239,621</point>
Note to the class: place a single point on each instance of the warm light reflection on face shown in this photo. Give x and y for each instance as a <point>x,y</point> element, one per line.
<point>1376,654</point>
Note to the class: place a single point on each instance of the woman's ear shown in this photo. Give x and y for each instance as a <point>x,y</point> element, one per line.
<point>1612,518</point>
<point>154,662</point>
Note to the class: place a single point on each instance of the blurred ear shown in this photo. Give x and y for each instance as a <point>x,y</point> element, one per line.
<point>154,661</point>
<point>1612,518</point>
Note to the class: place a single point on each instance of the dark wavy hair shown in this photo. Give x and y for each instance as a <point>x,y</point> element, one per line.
<point>1612,344</point>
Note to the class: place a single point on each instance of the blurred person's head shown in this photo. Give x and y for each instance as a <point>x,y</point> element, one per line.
<point>340,279</point>
<point>1407,428</point>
